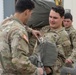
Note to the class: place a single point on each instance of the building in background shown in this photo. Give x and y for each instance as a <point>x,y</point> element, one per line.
<point>7,7</point>
<point>1,10</point>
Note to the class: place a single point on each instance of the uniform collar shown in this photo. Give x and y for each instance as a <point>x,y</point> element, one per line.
<point>57,30</point>
<point>67,29</point>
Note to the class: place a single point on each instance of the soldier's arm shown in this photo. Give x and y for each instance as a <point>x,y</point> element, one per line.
<point>19,48</point>
<point>36,33</point>
<point>73,41</point>
<point>29,29</point>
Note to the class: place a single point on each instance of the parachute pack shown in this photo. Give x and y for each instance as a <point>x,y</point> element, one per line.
<point>40,14</point>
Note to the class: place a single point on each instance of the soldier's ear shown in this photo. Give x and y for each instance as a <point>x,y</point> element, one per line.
<point>27,12</point>
<point>63,18</point>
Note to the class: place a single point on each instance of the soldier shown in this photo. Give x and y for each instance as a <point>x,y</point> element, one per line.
<point>57,34</point>
<point>14,42</point>
<point>39,18</point>
<point>67,22</point>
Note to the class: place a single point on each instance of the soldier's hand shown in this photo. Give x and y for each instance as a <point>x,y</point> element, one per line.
<point>36,33</point>
<point>48,70</point>
<point>68,61</point>
<point>40,71</point>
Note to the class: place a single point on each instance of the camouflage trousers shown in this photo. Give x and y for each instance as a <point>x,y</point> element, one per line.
<point>17,73</point>
<point>58,65</point>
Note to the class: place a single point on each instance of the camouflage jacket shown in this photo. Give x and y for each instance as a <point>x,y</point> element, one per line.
<point>14,49</point>
<point>61,39</point>
<point>72,34</point>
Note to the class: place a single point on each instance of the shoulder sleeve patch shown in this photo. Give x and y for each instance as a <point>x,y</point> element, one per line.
<point>26,38</point>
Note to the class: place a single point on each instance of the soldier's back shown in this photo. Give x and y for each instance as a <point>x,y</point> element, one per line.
<point>7,29</point>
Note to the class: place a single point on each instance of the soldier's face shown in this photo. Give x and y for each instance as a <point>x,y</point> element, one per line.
<point>55,20</point>
<point>67,23</point>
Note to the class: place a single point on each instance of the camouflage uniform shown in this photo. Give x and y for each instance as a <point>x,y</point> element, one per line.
<point>45,29</point>
<point>33,40</point>
<point>38,18</point>
<point>72,34</point>
<point>61,39</point>
<point>14,49</point>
